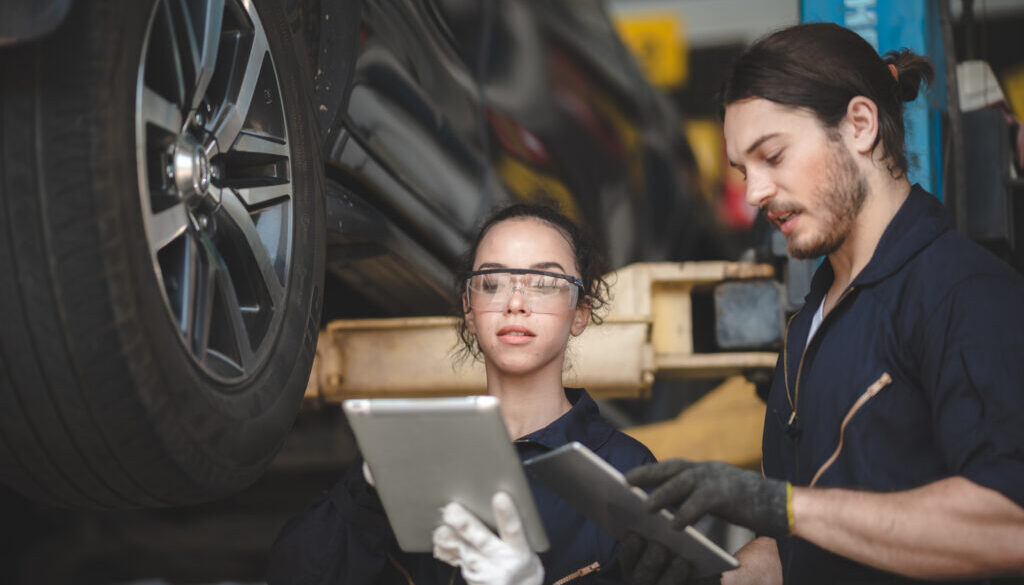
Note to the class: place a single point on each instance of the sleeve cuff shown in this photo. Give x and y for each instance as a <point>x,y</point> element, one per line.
<point>1005,476</point>
<point>359,503</point>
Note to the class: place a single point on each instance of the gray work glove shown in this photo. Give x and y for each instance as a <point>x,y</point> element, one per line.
<point>691,490</point>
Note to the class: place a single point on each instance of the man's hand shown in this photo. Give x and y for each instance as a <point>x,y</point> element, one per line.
<point>695,489</point>
<point>646,562</point>
<point>485,558</point>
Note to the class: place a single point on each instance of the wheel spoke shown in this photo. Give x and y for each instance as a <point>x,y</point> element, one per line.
<point>202,276</point>
<point>175,54</point>
<point>204,30</point>
<point>233,311</point>
<point>166,226</point>
<point>255,144</point>
<point>240,216</point>
<point>258,196</point>
<point>160,112</point>
<point>234,116</point>
<point>219,278</point>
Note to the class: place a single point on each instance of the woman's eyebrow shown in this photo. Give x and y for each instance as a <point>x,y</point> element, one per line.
<point>548,266</point>
<point>537,266</point>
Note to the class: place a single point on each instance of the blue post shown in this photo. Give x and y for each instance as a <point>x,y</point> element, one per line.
<point>897,24</point>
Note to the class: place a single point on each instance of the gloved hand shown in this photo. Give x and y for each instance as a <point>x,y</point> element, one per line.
<point>464,541</point>
<point>368,475</point>
<point>647,562</point>
<point>737,495</point>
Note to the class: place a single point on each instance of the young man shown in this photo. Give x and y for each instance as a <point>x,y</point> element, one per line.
<point>893,445</point>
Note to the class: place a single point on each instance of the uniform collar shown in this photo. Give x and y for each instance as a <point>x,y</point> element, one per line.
<point>582,423</point>
<point>920,220</point>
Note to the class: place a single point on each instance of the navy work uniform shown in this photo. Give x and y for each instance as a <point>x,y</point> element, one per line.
<point>345,539</point>
<point>916,375</point>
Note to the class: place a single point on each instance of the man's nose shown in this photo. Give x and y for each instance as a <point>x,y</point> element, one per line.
<point>760,188</point>
<point>517,301</point>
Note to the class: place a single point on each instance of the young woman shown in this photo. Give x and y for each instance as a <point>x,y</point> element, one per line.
<point>532,282</point>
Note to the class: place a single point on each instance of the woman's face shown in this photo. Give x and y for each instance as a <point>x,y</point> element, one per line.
<point>514,339</point>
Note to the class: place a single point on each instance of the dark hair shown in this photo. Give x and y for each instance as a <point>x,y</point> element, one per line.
<point>821,67</point>
<point>589,261</point>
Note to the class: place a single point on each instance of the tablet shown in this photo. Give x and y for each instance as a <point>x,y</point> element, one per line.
<point>601,493</point>
<point>426,452</point>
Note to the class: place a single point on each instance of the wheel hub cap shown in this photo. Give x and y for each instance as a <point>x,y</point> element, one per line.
<point>191,168</point>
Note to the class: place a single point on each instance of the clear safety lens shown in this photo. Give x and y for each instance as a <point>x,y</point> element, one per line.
<point>542,292</point>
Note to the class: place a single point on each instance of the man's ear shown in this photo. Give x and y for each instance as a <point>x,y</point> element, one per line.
<point>860,125</point>
<point>580,318</point>
<point>469,315</point>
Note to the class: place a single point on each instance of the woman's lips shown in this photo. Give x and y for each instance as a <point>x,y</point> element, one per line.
<point>515,334</point>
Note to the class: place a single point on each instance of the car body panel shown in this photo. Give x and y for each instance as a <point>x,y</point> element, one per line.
<point>456,107</point>
<point>27,20</point>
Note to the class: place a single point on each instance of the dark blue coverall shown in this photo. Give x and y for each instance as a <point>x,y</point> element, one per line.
<point>916,375</point>
<point>344,537</point>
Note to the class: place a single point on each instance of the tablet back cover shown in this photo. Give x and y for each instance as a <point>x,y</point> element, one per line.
<point>426,452</point>
<point>602,494</point>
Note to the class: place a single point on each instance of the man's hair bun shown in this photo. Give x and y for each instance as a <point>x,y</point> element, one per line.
<point>911,71</point>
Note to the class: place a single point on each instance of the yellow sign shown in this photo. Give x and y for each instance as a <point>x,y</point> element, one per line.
<point>1013,83</point>
<point>658,41</point>
<point>536,187</point>
<point>705,138</point>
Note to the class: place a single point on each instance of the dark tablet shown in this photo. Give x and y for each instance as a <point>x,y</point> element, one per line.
<point>599,492</point>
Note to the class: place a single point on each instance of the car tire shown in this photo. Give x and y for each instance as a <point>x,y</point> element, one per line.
<point>161,251</point>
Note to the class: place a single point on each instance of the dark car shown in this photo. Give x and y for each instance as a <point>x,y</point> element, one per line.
<point>178,177</point>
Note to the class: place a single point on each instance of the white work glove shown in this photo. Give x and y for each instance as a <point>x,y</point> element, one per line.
<point>462,540</point>
<point>368,475</point>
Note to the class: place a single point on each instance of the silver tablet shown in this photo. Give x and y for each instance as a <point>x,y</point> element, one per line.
<point>600,492</point>
<point>426,452</point>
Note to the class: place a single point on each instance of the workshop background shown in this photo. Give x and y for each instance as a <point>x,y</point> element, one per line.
<point>684,48</point>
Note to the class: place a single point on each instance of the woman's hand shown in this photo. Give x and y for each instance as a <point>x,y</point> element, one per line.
<point>464,541</point>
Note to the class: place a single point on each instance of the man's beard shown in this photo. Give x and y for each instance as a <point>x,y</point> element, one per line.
<point>839,202</point>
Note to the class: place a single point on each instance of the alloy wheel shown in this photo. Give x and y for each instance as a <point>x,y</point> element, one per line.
<point>215,180</point>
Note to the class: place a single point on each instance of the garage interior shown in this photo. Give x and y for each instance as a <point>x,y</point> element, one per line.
<point>701,397</point>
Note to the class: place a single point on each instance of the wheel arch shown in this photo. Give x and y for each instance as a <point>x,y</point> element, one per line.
<point>27,20</point>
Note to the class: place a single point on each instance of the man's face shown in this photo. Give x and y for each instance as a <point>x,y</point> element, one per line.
<point>800,175</point>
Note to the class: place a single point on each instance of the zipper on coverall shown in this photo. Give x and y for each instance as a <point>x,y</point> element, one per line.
<point>791,429</point>
<point>791,425</point>
<point>884,380</point>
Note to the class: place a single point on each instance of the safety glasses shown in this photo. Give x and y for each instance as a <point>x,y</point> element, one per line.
<point>542,291</point>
